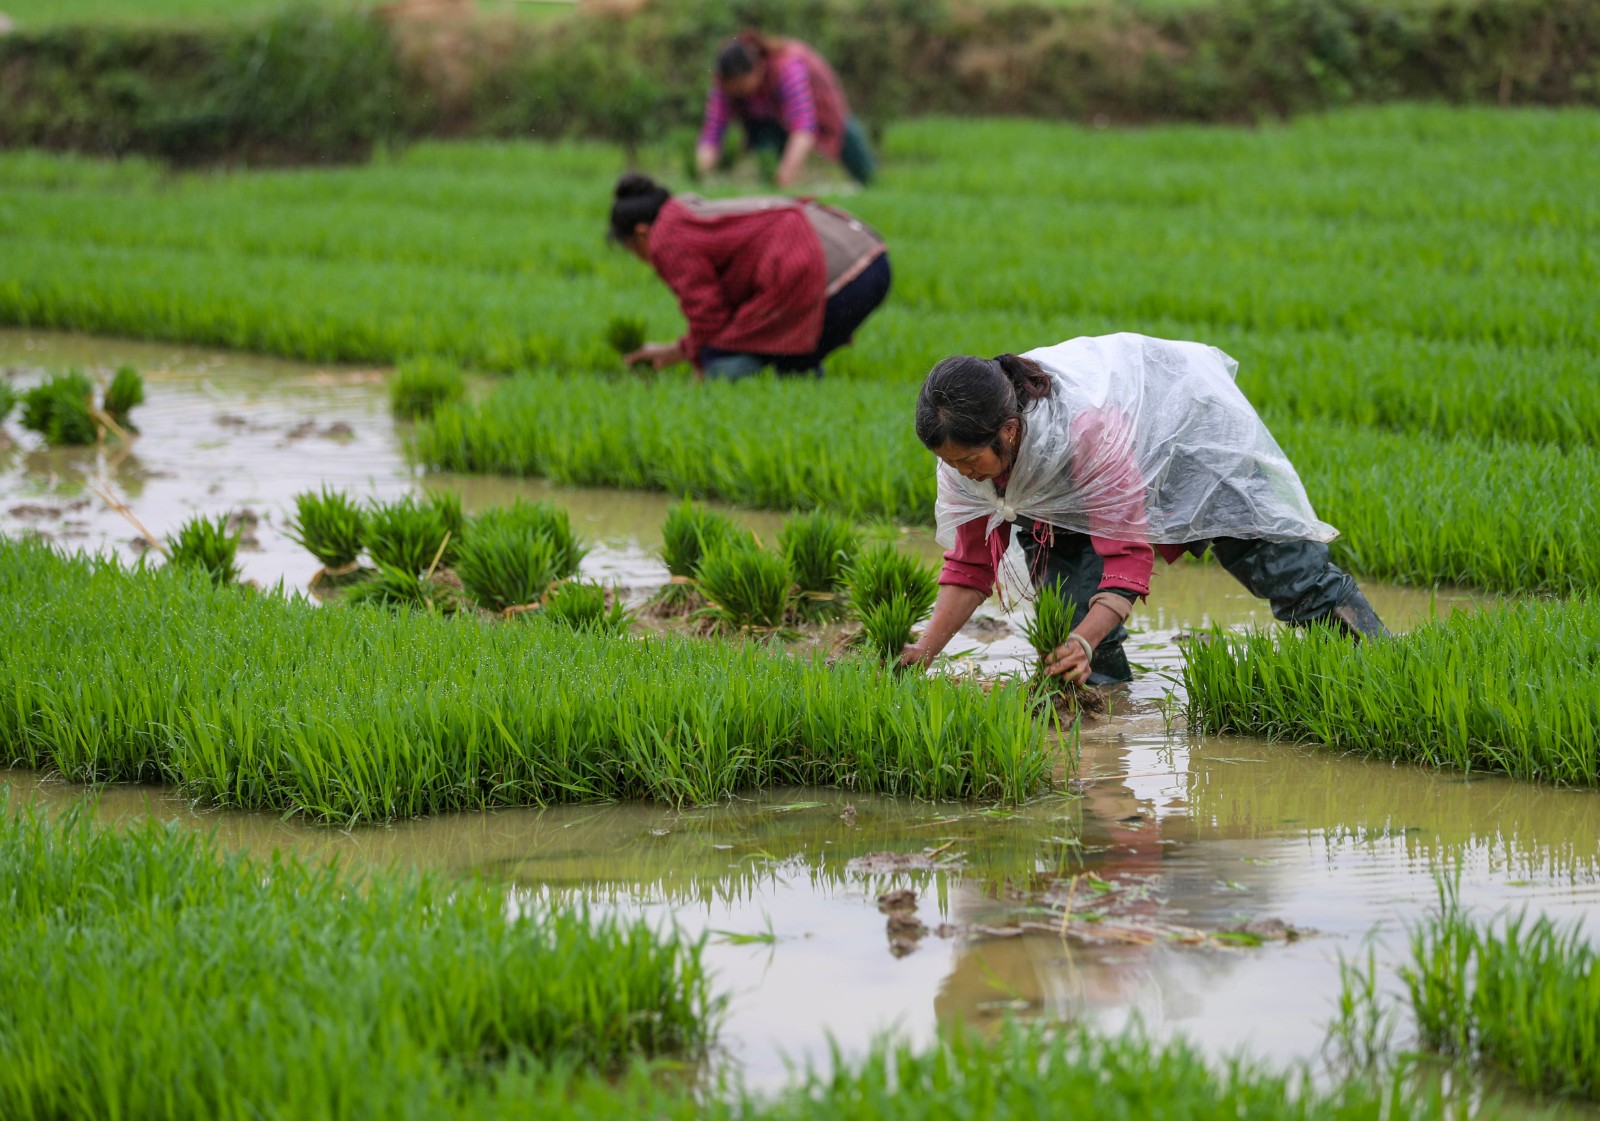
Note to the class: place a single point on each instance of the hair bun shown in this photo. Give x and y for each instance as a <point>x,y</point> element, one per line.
<point>633,185</point>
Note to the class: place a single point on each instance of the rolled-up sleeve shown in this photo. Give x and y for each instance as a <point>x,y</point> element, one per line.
<point>970,564</point>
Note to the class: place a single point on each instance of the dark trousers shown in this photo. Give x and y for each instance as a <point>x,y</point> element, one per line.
<point>1295,577</point>
<point>845,311</point>
<point>855,154</point>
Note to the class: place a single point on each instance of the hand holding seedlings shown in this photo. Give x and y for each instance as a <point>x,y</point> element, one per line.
<point>659,355</point>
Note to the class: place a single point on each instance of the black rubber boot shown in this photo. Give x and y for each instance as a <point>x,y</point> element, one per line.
<point>1356,619</point>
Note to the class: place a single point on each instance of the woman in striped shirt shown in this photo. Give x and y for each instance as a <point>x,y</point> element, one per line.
<point>790,103</point>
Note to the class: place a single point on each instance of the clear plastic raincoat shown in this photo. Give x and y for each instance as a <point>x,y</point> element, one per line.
<point>1142,440</point>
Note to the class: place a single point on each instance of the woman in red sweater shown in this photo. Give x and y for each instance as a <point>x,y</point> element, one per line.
<point>776,282</point>
<point>1098,453</point>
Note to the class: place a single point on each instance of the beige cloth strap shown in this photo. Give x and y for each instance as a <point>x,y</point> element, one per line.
<point>1120,606</point>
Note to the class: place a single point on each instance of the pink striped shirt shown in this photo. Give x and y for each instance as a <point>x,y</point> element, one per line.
<point>791,104</point>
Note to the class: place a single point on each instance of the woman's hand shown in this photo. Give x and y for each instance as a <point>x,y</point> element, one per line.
<point>915,654</point>
<point>658,355</point>
<point>1071,659</point>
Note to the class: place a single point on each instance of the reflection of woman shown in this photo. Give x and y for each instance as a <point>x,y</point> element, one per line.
<point>789,101</point>
<point>1099,449</point>
<point>774,282</point>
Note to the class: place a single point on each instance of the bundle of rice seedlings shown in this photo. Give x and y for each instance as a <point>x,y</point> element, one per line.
<point>61,409</point>
<point>745,587</point>
<point>409,534</point>
<point>544,518</point>
<point>504,566</point>
<point>886,628</point>
<point>880,574</point>
<point>330,526</point>
<point>819,548</point>
<point>399,588</point>
<point>125,391</point>
<point>419,387</point>
<point>625,333</point>
<point>206,544</point>
<point>583,605</point>
<point>1047,630</point>
<point>689,533</point>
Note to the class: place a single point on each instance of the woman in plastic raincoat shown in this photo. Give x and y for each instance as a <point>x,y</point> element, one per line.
<point>1090,457</point>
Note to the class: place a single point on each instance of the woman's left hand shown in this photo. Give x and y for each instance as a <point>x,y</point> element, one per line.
<point>657,354</point>
<point>1071,659</point>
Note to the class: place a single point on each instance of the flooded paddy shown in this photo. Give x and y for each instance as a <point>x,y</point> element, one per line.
<point>1112,900</point>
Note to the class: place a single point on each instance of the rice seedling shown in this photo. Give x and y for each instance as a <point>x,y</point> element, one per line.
<point>413,536</point>
<point>886,628</point>
<point>881,574</point>
<point>582,605</point>
<point>206,544</point>
<point>419,387</point>
<point>819,548</point>
<point>626,334</point>
<point>1046,630</point>
<point>1521,995</point>
<point>504,566</point>
<point>273,703</point>
<point>132,958</point>
<point>746,588</point>
<point>331,526</point>
<point>544,519</point>
<point>400,589</point>
<point>61,409</point>
<point>1510,688</point>
<point>125,392</point>
<point>688,534</point>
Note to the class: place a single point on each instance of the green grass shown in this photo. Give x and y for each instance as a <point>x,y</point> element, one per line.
<point>1521,995</point>
<point>207,545</point>
<point>357,714</point>
<point>1510,689</point>
<point>1354,281</point>
<point>146,974</point>
<point>420,386</point>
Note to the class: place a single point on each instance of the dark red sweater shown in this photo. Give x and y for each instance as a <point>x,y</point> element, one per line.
<point>753,283</point>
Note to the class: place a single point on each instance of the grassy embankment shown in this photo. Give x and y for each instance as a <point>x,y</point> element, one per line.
<point>146,975</point>
<point>356,715</point>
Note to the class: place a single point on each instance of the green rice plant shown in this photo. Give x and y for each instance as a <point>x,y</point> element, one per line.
<point>545,519</point>
<point>504,566</point>
<point>330,525</point>
<point>625,333</point>
<point>1510,688</point>
<point>886,628</point>
<point>125,392</point>
<point>61,409</point>
<point>419,387</point>
<point>819,548</point>
<point>582,605</point>
<point>746,587</point>
<point>413,536</point>
<point>400,589</point>
<point>688,534</point>
<point>1047,629</point>
<point>881,573</point>
<point>130,956</point>
<point>269,702</point>
<point>1521,995</point>
<point>206,544</point>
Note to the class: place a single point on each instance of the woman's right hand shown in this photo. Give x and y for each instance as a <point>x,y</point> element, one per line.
<point>658,355</point>
<point>914,654</point>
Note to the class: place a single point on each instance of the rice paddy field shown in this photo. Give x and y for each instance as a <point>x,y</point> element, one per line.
<point>641,829</point>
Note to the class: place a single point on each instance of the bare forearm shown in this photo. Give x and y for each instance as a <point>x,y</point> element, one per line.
<point>951,611</point>
<point>794,157</point>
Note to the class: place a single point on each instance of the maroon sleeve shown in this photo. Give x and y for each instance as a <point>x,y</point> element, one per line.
<point>681,255</point>
<point>1127,565</point>
<point>970,564</point>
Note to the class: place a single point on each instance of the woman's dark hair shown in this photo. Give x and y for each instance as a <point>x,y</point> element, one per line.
<point>637,199</point>
<point>965,400</point>
<point>740,55</point>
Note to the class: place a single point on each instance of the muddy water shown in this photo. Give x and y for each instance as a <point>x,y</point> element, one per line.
<point>1163,838</point>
